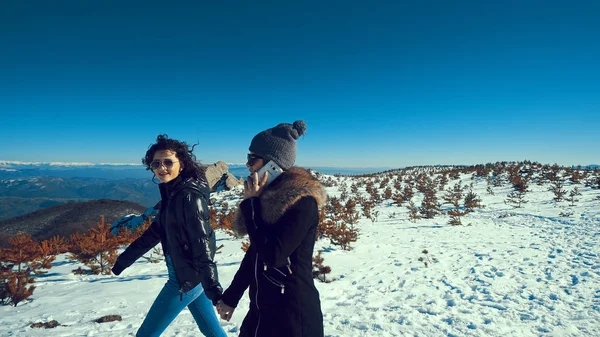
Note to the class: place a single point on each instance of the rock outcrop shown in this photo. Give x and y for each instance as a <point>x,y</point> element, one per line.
<point>219,178</point>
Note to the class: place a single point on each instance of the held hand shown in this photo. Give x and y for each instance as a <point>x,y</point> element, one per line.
<point>116,269</point>
<point>224,311</point>
<point>253,187</point>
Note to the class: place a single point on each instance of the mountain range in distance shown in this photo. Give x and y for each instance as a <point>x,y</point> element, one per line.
<point>66,219</point>
<point>30,186</point>
<point>17,169</point>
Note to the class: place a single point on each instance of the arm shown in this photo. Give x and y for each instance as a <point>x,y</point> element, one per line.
<point>202,242</point>
<point>241,280</point>
<point>137,248</point>
<point>276,244</point>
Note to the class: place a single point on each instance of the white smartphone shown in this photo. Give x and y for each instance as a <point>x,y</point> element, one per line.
<point>273,169</point>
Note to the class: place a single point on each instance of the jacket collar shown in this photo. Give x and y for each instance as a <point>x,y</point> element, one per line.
<point>170,189</point>
<point>283,193</point>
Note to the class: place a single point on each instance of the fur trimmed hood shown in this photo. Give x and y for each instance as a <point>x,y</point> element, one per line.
<point>284,192</point>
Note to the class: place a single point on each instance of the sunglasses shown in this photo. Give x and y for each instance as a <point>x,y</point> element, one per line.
<point>252,158</point>
<point>156,164</point>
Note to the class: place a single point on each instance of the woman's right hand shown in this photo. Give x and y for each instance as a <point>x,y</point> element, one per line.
<point>224,310</point>
<point>253,186</point>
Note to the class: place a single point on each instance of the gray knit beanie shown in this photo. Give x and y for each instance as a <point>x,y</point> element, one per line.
<point>279,143</point>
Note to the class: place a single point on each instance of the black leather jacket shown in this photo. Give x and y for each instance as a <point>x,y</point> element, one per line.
<point>183,228</point>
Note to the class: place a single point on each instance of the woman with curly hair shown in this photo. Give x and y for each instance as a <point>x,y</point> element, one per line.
<point>281,219</point>
<point>188,241</point>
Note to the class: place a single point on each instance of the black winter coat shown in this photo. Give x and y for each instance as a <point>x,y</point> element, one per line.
<point>183,228</point>
<point>277,267</point>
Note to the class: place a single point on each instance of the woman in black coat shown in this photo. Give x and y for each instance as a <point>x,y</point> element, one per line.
<point>188,241</point>
<point>281,220</point>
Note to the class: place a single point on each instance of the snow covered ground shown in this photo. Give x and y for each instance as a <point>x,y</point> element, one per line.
<point>506,272</point>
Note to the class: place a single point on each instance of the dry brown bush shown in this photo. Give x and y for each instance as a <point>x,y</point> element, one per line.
<point>20,264</point>
<point>108,318</point>
<point>46,325</point>
<point>97,249</point>
<point>320,271</point>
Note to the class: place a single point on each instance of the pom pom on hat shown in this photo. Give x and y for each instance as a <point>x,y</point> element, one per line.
<point>300,127</point>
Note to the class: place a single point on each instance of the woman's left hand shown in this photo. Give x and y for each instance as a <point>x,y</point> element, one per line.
<point>253,187</point>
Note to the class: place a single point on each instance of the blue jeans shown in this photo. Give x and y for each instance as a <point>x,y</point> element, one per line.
<point>168,305</point>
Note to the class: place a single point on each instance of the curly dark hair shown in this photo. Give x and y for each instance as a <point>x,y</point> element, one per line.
<point>191,167</point>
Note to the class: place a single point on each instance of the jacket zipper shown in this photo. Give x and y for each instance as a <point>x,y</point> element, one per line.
<point>256,299</point>
<point>276,283</point>
<point>255,275</point>
<point>279,271</point>
<point>172,259</point>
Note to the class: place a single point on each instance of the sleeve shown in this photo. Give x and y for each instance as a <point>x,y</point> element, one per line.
<point>137,248</point>
<point>275,245</point>
<point>241,280</point>
<point>202,242</point>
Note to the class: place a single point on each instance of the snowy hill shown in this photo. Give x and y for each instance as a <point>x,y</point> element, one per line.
<point>529,271</point>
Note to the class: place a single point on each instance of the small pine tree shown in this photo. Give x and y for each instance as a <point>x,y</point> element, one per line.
<point>398,184</point>
<point>344,195</point>
<point>557,188</point>
<point>212,216</point>
<point>413,211</point>
<point>576,175</point>
<point>19,287</point>
<point>387,194</point>
<point>454,196</point>
<point>442,181</point>
<point>342,235</point>
<point>572,198</point>
<point>324,223</point>
<point>320,271</point>
<point>20,264</point>
<point>398,198</point>
<point>472,201</point>
<point>454,174</point>
<point>225,221</point>
<point>337,223</point>
<point>520,184</point>
<point>350,214</point>
<point>490,189</point>
<point>367,207</point>
<point>407,193</point>
<point>516,199</point>
<point>97,249</point>
<point>429,206</point>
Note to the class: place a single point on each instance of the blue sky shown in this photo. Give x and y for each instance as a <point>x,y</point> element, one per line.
<point>379,83</point>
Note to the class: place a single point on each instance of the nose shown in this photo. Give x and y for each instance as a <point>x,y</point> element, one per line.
<point>163,167</point>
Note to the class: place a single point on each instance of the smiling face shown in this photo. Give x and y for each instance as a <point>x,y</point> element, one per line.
<point>166,165</point>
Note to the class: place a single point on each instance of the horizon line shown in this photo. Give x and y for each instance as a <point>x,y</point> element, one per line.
<point>81,164</point>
